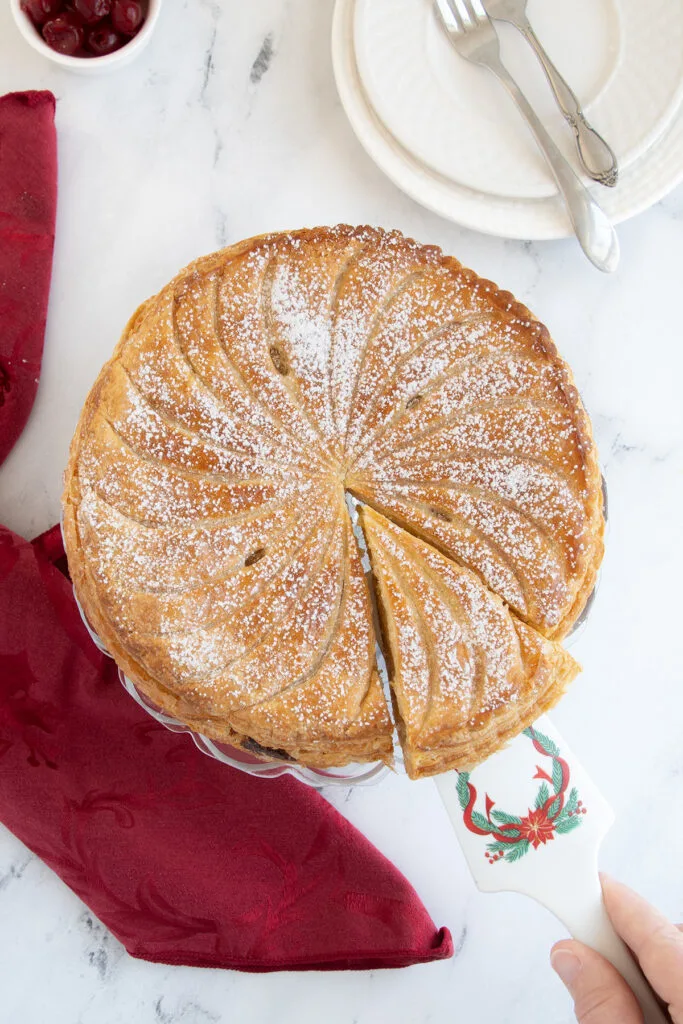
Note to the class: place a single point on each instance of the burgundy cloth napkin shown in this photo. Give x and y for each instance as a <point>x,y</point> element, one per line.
<point>186,860</point>
<point>28,201</point>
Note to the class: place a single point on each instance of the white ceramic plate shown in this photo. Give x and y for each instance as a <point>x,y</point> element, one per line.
<point>445,132</point>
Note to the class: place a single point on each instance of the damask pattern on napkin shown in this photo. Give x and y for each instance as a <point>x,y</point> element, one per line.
<point>186,860</point>
<point>28,203</point>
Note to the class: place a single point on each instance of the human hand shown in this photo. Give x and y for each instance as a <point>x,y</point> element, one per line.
<point>600,994</point>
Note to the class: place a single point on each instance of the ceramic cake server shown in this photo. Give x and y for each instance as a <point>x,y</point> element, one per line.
<point>530,820</point>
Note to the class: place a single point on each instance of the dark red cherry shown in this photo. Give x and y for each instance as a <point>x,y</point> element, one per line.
<point>103,40</point>
<point>127,16</point>
<point>64,33</point>
<point>91,11</point>
<point>39,11</point>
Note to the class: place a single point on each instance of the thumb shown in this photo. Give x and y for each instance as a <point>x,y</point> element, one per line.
<point>600,994</point>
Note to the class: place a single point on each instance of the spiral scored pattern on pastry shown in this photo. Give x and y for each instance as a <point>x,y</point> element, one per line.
<point>467,675</point>
<point>205,521</point>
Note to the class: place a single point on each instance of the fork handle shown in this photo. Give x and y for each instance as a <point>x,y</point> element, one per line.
<point>597,159</point>
<point>595,233</point>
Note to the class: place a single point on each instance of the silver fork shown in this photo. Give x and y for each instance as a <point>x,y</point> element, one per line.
<point>472,34</point>
<point>597,159</point>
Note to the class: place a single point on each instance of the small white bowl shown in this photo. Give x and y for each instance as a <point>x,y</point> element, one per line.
<point>87,65</point>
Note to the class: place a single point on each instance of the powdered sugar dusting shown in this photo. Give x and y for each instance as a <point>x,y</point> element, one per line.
<point>208,492</point>
<point>307,325</point>
<point>457,653</point>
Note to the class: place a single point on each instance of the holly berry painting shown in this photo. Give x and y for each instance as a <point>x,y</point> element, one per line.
<point>86,28</point>
<point>556,811</point>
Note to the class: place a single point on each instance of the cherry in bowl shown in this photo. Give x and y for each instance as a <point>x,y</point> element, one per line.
<point>127,16</point>
<point>92,11</point>
<point>64,33</point>
<point>102,39</point>
<point>40,11</point>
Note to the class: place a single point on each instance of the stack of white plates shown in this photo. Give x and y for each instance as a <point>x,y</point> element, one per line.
<point>447,134</point>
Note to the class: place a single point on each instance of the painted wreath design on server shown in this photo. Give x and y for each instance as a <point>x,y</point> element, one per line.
<point>555,812</point>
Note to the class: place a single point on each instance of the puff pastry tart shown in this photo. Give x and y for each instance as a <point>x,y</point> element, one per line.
<point>206,526</point>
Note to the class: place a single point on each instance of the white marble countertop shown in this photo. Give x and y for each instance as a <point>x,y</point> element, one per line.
<point>229,125</point>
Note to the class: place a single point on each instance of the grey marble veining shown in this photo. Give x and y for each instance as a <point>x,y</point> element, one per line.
<point>227,126</point>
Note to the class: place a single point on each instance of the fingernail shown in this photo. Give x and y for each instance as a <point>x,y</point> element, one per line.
<point>567,965</point>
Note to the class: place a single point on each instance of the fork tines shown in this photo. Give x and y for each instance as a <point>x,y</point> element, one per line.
<point>467,13</point>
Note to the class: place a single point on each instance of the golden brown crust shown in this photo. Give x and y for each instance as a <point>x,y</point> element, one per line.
<point>466,675</point>
<point>489,383</point>
<point>203,506</point>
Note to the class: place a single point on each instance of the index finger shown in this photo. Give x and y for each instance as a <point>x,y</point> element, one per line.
<point>656,942</point>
